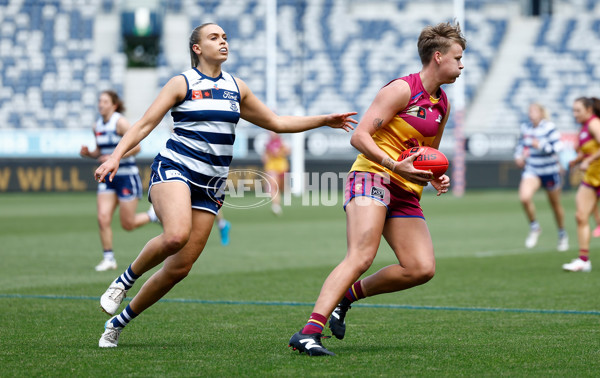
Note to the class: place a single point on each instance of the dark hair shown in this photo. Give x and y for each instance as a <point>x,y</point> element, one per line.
<point>590,102</point>
<point>115,100</point>
<point>195,38</point>
<point>439,38</point>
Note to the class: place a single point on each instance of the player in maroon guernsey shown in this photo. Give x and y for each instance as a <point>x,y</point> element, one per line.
<point>382,194</point>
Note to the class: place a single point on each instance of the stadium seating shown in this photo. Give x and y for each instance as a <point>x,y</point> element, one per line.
<point>49,76</point>
<point>561,66</point>
<point>332,55</point>
<point>322,67</point>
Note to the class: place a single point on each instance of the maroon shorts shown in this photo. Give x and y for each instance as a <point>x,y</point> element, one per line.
<point>399,202</point>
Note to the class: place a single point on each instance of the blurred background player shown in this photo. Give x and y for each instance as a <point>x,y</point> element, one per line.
<point>537,154</point>
<point>206,104</point>
<point>224,227</point>
<point>383,194</point>
<point>126,189</point>
<point>276,165</point>
<point>586,111</point>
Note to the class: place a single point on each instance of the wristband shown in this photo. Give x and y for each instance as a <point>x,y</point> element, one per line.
<point>389,163</point>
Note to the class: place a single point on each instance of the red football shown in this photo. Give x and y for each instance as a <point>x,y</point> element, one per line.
<point>430,160</point>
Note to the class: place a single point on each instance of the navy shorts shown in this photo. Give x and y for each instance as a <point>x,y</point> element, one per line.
<point>203,197</point>
<point>127,187</point>
<point>549,182</point>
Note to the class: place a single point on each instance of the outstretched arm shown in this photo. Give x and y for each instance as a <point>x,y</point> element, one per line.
<point>254,111</point>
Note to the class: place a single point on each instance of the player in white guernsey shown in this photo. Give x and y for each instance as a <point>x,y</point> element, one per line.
<point>206,104</point>
<point>537,153</point>
<point>126,189</point>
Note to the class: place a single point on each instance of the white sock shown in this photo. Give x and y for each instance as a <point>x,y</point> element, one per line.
<point>109,255</point>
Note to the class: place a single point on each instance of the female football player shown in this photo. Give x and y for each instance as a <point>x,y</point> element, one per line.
<point>586,111</point>
<point>276,164</point>
<point>189,173</point>
<point>382,194</point>
<point>126,188</point>
<point>537,154</point>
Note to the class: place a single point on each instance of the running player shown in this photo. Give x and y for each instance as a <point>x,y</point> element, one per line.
<point>537,154</point>
<point>276,164</point>
<point>383,194</point>
<point>126,189</point>
<point>189,173</point>
<point>586,111</point>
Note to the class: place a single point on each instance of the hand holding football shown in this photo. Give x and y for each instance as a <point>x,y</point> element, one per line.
<point>430,159</point>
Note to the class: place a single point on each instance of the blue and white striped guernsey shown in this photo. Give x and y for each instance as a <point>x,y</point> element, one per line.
<point>543,160</point>
<point>107,139</point>
<point>204,128</point>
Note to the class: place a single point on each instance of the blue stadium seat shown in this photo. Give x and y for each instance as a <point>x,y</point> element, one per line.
<point>561,66</point>
<point>64,60</point>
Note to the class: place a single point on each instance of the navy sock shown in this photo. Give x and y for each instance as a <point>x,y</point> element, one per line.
<point>127,278</point>
<point>124,317</point>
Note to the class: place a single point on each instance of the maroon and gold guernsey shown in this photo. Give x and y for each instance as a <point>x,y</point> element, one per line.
<point>589,146</point>
<point>416,125</point>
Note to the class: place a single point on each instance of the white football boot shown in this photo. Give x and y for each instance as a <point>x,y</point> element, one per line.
<point>563,243</point>
<point>106,264</point>
<point>532,238</point>
<point>112,298</point>
<point>578,265</point>
<point>110,337</point>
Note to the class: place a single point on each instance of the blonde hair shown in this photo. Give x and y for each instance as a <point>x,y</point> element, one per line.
<point>542,108</point>
<point>439,38</point>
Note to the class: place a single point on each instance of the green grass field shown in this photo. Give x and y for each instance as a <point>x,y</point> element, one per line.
<point>493,308</point>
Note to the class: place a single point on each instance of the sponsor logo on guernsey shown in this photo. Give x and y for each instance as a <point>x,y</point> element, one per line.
<point>227,95</point>
<point>439,119</point>
<point>173,173</point>
<point>198,95</point>
<point>417,111</point>
<point>378,192</point>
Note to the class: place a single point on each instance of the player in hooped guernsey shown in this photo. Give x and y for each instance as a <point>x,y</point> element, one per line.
<point>107,139</point>
<point>201,146</point>
<point>586,111</point>
<point>537,154</point>
<point>189,173</point>
<point>382,194</point>
<point>126,188</point>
